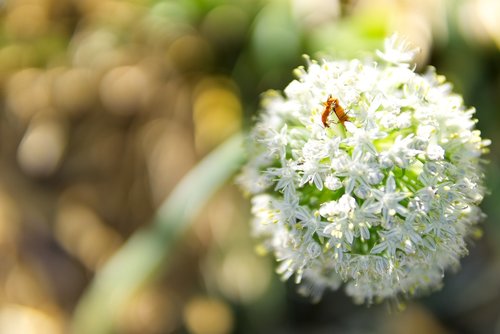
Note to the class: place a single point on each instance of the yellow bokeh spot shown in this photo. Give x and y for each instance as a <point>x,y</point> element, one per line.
<point>208,316</point>
<point>217,113</point>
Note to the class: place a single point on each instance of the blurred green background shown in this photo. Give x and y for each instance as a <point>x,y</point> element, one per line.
<point>106,104</point>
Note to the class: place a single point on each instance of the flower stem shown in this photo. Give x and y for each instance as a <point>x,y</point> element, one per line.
<point>145,253</point>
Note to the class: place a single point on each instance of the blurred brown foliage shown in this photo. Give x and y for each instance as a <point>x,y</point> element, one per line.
<point>97,127</point>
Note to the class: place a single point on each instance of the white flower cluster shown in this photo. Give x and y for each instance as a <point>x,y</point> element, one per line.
<point>380,198</point>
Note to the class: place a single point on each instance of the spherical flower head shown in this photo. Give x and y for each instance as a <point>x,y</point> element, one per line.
<point>365,174</point>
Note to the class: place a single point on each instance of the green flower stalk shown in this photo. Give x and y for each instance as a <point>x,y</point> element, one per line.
<point>365,174</point>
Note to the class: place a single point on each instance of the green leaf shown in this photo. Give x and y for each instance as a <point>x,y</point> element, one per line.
<point>144,255</point>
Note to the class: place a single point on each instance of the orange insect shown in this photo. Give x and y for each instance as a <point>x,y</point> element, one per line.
<point>333,104</point>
